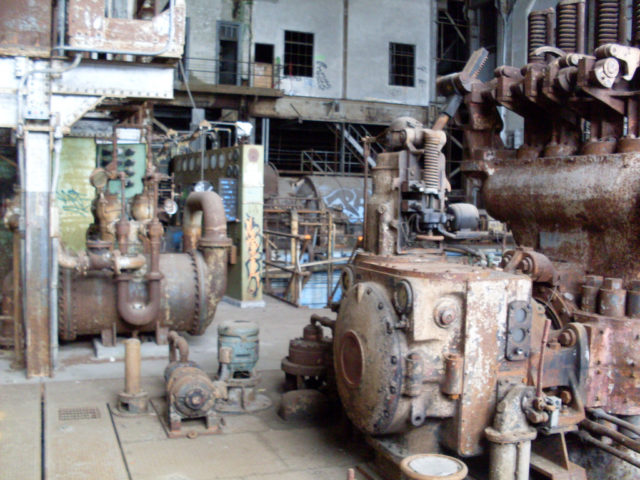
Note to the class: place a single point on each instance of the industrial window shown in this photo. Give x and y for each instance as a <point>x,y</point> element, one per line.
<point>402,60</point>
<point>298,54</point>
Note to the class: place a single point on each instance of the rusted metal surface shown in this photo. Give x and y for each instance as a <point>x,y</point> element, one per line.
<point>133,400</point>
<point>109,292</point>
<point>304,404</point>
<point>190,392</point>
<point>25,27</point>
<point>570,196</point>
<point>378,385</point>
<point>308,359</point>
<point>88,27</point>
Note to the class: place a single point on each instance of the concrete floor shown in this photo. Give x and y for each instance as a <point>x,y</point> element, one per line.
<point>66,427</point>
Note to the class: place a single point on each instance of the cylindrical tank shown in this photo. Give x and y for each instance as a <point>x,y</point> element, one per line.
<point>88,303</point>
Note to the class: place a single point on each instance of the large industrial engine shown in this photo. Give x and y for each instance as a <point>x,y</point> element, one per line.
<point>534,363</point>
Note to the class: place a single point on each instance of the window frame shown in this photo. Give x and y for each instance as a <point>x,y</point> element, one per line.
<point>398,77</point>
<point>298,69</point>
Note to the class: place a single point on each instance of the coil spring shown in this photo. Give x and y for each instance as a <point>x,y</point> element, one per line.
<point>607,15</point>
<point>431,161</point>
<point>537,35</point>
<point>635,24</point>
<point>566,26</point>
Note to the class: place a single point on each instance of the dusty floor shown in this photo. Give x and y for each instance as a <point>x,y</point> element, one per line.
<point>66,427</point>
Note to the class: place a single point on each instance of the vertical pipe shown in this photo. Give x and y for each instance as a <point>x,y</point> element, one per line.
<point>62,22</point>
<point>502,461</point>
<point>295,291</point>
<point>622,22</point>
<point>581,46</point>
<point>524,460</point>
<point>18,331</point>
<point>365,194</point>
<point>342,145</point>
<point>132,366</point>
<point>330,258</point>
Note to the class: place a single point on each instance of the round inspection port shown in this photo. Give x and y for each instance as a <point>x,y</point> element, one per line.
<point>351,359</point>
<point>432,466</point>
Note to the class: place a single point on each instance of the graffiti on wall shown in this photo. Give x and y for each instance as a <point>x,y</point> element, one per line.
<point>321,76</point>
<point>74,202</point>
<point>253,265</point>
<point>347,200</point>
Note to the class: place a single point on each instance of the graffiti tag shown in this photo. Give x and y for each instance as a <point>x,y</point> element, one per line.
<point>253,265</point>
<point>321,76</point>
<point>74,202</point>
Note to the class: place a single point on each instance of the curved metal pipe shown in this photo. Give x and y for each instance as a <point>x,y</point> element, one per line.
<point>205,227</point>
<point>134,312</point>
<point>205,218</point>
<point>178,342</point>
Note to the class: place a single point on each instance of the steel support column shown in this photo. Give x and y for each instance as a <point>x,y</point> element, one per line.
<point>37,250</point>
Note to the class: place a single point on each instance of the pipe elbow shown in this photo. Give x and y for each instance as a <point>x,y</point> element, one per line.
<point>213,218</point>
<point>179,342</point>
<point>135,313</point>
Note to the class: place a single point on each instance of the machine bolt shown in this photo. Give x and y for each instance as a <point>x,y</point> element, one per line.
<point>394,360</point>
<point>447,316</point>
<point>567,338</point>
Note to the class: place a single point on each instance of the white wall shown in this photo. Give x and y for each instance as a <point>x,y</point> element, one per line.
<point>323,18</point>
<point>202,39</point>
<point>372,25</point>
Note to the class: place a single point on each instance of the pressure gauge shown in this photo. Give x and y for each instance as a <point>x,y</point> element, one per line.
<point>403,297</point>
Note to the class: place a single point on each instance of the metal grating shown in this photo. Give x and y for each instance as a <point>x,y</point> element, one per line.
<point>78,413</point>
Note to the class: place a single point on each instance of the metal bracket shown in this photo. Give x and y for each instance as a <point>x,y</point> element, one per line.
<point>518,331</point>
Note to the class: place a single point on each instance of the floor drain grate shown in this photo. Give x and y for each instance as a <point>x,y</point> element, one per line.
<point>78,413</point>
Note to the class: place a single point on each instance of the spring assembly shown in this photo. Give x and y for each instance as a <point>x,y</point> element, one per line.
<point>537,35</point>
<point>431,162</point>
<point>607,21</point>
<point>567,27</point>
<point>635,24</point>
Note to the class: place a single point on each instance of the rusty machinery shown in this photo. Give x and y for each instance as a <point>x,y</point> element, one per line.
<point>122,283</point>
<point>534,364</point>
<point>309,363</point>
<point>190,392</point>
